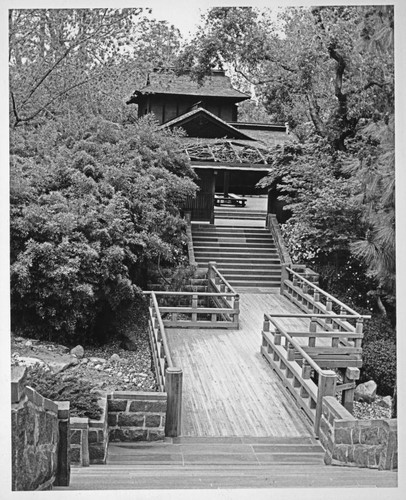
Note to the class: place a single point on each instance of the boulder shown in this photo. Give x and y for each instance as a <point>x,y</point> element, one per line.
<point>385,402</point>
<point>78,351</point>
<point>97,361</point>
<point>26,361</point>
<point>366,392</point>
<point>28,343</point>
<point>115,358</point>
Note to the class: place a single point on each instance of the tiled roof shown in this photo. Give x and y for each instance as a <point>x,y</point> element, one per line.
<point>192,115</point>
<point>217,85</point>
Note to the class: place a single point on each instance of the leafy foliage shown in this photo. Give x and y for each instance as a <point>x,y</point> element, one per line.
<point>83,402</point>
<point>89,215</point>
<point>379,364</point>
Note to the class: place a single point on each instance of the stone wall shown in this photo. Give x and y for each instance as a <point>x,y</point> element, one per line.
<point>36,451</point>
<point>89,439</point>
<point>136,416</point>
<point>359,443</point>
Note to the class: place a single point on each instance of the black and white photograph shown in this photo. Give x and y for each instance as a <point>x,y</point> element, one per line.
<point>201,247</point>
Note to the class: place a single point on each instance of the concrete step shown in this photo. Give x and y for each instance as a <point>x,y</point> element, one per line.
<point>233,462</point>
<point>203,477</point>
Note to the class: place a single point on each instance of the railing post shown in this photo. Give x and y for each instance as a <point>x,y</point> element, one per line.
<point>210,271</point>
<point>329,308</point>
<point>173,382</point>
<point>312,329</point>
<point>236,306</point>
<point>277,337</point>
<point>284,276</point>
<point>326,387</point>
<point>291,352</point>
<point>194,306</point>
<point>347,401</point>
<point>306,369</point>
<point>62,477</point>
<point>359,327</point>
<point>266,325</point>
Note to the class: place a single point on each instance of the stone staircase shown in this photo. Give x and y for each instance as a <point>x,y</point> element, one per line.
<point>246,256</point>
<point>221,462</point>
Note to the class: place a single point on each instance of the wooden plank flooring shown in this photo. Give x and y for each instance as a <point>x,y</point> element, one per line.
<point>228,388</point>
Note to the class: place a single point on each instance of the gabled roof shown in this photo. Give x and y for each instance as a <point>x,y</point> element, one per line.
<point>201,123</point>
<point>216,85</point>
<point>268,133</point>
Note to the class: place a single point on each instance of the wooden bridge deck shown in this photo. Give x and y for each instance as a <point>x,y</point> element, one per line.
<point>228,388</point>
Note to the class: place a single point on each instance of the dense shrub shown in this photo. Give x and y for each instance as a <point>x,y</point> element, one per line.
<point>379,364</point>
<point>56,387</point>
<point>89,218</point>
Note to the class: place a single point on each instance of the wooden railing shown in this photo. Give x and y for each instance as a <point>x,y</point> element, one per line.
<point>191,252</point>
<point>192,309</point>
<point>294,366</point>
<point>322,306</point>
<point>169,377</point>
<point>275,230</point>
<point>226,296</point>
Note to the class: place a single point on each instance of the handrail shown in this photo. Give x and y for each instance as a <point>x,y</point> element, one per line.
<point>191,251</point>
<point>163,333</point>
<point>204,294</point>
<point>295,344</point>
<point>273,226</point>
<point>318,315</point>
<point>326,294</point>
<point>225,282</point>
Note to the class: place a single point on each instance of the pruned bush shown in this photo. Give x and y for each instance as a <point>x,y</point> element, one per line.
<point>83,403</point>
<point>379,364</point>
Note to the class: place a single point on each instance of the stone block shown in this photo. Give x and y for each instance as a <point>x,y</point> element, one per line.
<point>117,405</point>
<point>152,420</point>
<point>369,435</point>
<point>371,451</point>
<point>148,406</point>
<point>130,420</point>
<point>63,409</point>
<point>79,423</point>
<point>75,436</point>
<point>112,419</point>
<point>94,436</point>
<point>155,435</point>
<point>38,399</point>
<point>129,435</point>
<point>356,433</point>
<point>360,456</point>
<point>350,454</point>
<point>47,424</point>
<point>97,453</point>
<point>75,455</point>
<point>340,453</point>
<point>18,377</point>
<point>342,435</point>
<point>50,406</point>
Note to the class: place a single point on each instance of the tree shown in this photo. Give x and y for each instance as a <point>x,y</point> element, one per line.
<point>309,66</point>
<point>82,60</point>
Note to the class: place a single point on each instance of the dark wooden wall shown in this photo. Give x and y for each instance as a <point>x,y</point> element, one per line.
<point>202,207</point>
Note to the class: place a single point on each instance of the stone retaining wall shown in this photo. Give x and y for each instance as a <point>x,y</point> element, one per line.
<point>136,416</point>
<point>37,454</point>
<point>359,443</point>
<point>89,439</point>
